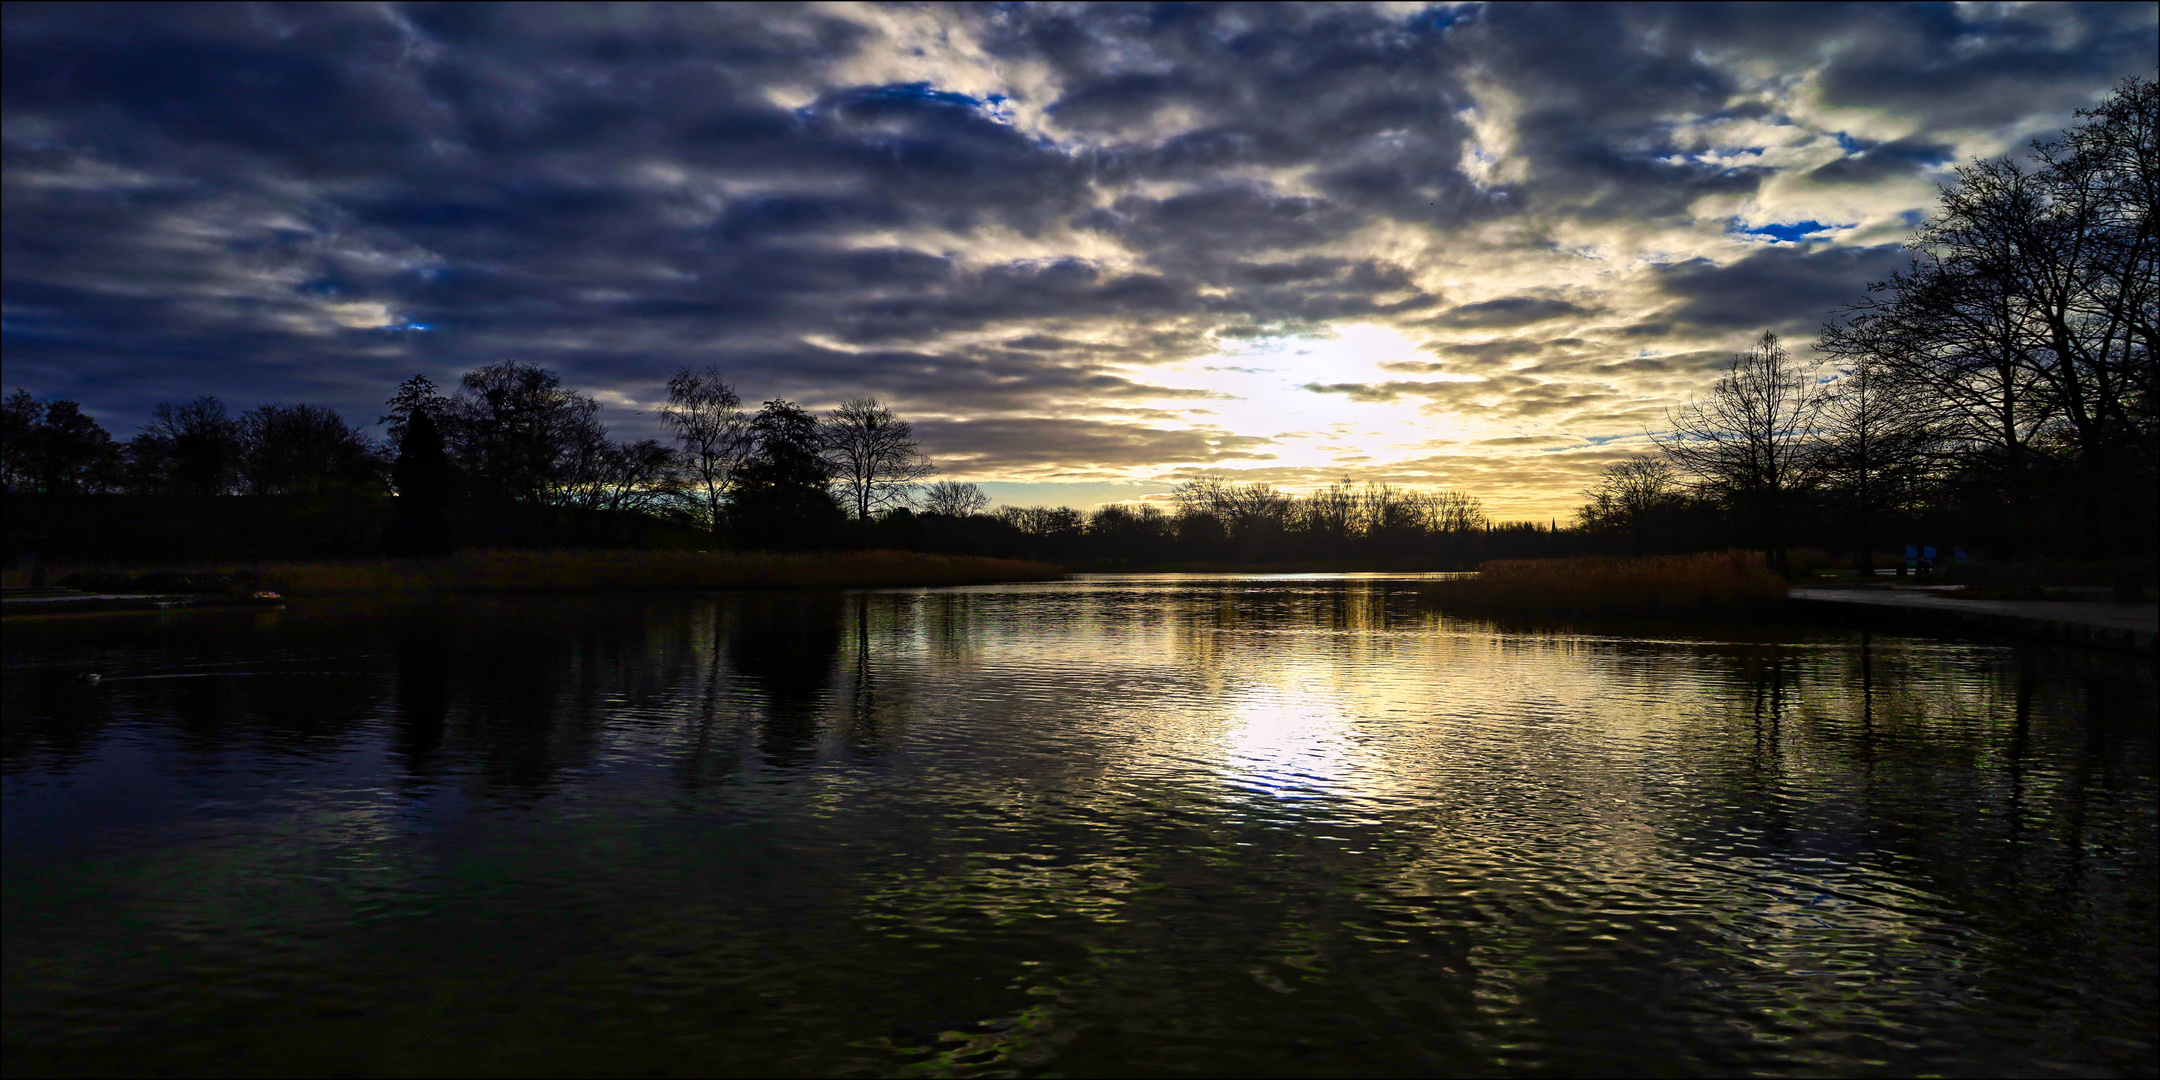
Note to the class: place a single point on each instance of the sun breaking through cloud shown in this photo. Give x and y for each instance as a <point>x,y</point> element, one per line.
<point>1091,250</point>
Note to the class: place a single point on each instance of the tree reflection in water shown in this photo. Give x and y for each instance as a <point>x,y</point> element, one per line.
<point>785,645</point>
<point>1097,826</point>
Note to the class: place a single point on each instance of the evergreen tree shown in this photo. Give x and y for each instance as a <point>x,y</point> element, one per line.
<point>415,395</point>
<point>782,498</point>
<point>424,478</point>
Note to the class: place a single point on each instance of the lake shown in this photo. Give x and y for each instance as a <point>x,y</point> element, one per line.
<point>1165,824</point>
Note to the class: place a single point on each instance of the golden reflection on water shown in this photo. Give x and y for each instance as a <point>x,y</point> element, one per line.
<point>1115,823</point>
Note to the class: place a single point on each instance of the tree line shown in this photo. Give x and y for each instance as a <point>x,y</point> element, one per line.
<point>196,448</point>
<point>780,478</point>
<point>511,436</point>
<point>1212,520</point>
<point>1997,392</point>
<point>508,435</point>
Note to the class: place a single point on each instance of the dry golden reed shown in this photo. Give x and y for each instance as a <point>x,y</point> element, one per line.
<point>565,571</point>
<point>1724,583</point>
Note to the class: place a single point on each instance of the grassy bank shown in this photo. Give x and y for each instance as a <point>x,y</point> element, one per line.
<point>1294,566</point>
<point>1728,583</point>
<point>567,571</point>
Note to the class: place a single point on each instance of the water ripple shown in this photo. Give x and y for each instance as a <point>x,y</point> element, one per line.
<point>1280,824</point>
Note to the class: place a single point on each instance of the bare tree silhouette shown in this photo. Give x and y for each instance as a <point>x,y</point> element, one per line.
<point>955,499</point>
<point>709,423</point>
<point>1749,441</point>
<point>875,457</point>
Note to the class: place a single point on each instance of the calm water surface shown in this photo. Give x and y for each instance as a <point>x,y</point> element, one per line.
<point>1161,825</point>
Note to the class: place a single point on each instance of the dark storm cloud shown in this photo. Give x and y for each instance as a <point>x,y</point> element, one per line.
<point>1869,163</point>
<point>1790,287</point>
<point>1006,213</point>
<point>1943,67</point>
<point>1508,311</point>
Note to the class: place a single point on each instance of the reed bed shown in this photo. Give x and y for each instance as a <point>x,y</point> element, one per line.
<point>567,571</point>
<point>1722,584</point>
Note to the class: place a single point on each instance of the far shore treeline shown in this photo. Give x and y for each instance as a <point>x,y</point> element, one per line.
<point>512,458</point>
<point>1997,395</point>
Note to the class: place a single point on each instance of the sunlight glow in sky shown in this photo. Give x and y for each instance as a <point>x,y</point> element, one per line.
<point>1092,251</point>
<point>1264,387</point>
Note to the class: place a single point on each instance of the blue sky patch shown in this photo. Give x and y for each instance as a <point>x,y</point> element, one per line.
<point>919,91</point>
<point>1787,232</point>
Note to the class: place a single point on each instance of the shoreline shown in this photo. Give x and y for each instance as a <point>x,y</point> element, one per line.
<point>520,571</point>
<point>2114,626</point>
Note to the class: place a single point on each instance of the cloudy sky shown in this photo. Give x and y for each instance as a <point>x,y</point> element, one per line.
<point>1090,251</point>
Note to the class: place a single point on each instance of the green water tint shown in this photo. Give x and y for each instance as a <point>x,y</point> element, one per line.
<point>1155,825</point>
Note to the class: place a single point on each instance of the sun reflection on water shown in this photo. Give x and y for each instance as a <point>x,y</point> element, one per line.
<point>1114,824</point>
<point>1288,742</point>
